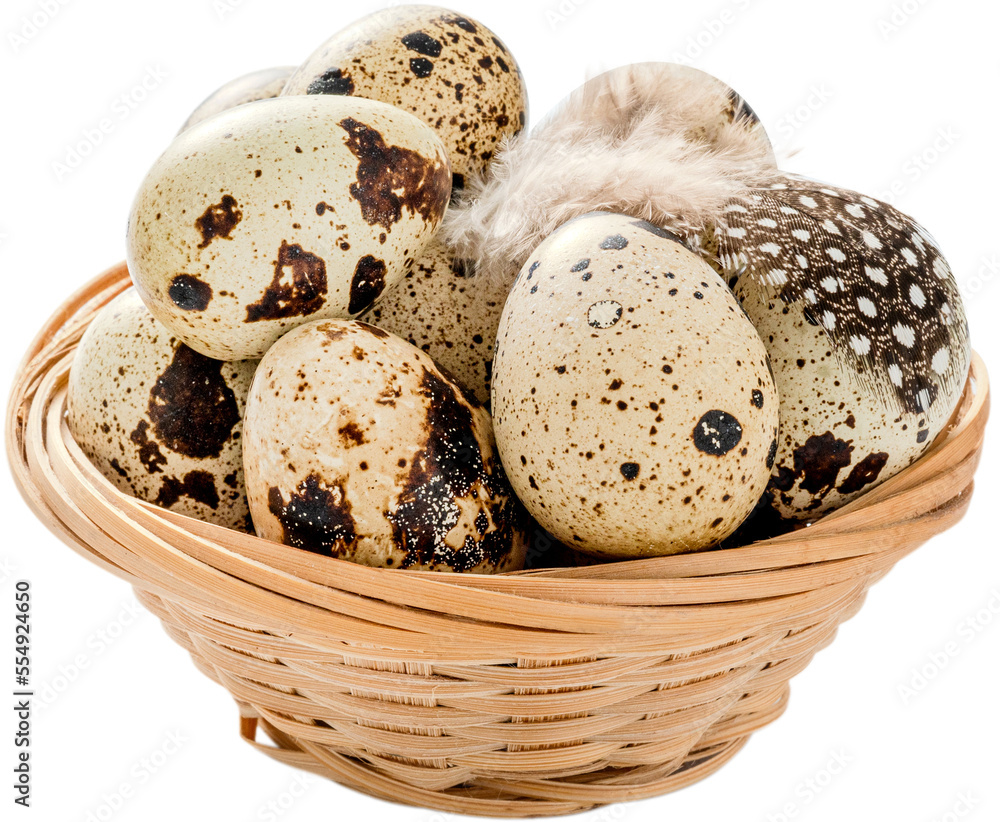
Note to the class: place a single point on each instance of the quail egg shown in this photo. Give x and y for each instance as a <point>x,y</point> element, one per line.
<point>447,313</point>
<point>282,211</point>
<point>633,404</point>
<point>258,85</point>
<point>447,69</point>
<point>357,446</point>
<point>159,420</point>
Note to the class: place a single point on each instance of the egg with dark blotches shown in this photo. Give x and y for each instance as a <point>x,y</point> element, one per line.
<point>357,446</point>
<point>865,327</point>
<point>633,404</point>
<point>283,211</point>
<point>447,69</point>
<point>447,313</point>
<point>159,420</point>
<point>257,85</point>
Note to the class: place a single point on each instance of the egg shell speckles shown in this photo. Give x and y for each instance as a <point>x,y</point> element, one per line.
<point>449,70</point>
<point>838,439</point>
<point>448,315</point>
<point>160,421</point>
<point>283,211</point>
<point>358,447</point>
<point>633,405</point>
<point>258,85</point>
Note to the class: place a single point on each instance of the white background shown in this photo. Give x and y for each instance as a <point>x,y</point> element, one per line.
<point>895,99</point>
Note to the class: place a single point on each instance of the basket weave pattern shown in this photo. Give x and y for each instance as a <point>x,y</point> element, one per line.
<point>535,693</point>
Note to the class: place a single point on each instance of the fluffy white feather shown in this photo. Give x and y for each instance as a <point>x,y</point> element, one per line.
<point>662,142</point>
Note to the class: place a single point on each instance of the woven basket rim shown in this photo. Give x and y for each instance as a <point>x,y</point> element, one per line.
<point>970,414</point>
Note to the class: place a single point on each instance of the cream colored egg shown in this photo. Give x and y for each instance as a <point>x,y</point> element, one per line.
<point>447,314</point>
<point>447,69</point>
<point>257,85</point>
<point>283,211</point>
<point>358,446</point>
<point>633,405</point>
<point>159,420</point>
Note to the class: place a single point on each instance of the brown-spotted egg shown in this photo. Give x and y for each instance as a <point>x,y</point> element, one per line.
<point>357,446</point>
<point>257,85</point>
<point>282,211</point>
<point>159,420</point>
<point>447,69</point>
<point>633,405</point>
<point>447,313</point>
<point>864,324</point>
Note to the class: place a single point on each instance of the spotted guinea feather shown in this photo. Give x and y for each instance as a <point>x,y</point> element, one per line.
<point>871,277</point>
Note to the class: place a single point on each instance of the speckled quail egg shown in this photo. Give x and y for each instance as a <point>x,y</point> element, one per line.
<point>282,211</point>
<point>449,70</point>
<point>357,446</point>
<point>633,405</point>
<point>700,106</point>
<point>865,328</point>
<point>159,420</point>
<point>447,313</point>
<point>257,85</point>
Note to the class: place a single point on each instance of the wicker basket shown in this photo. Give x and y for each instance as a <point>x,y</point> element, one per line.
<point>544,692</point>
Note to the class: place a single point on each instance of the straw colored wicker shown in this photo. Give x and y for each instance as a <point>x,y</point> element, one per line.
<point>537,693</point>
